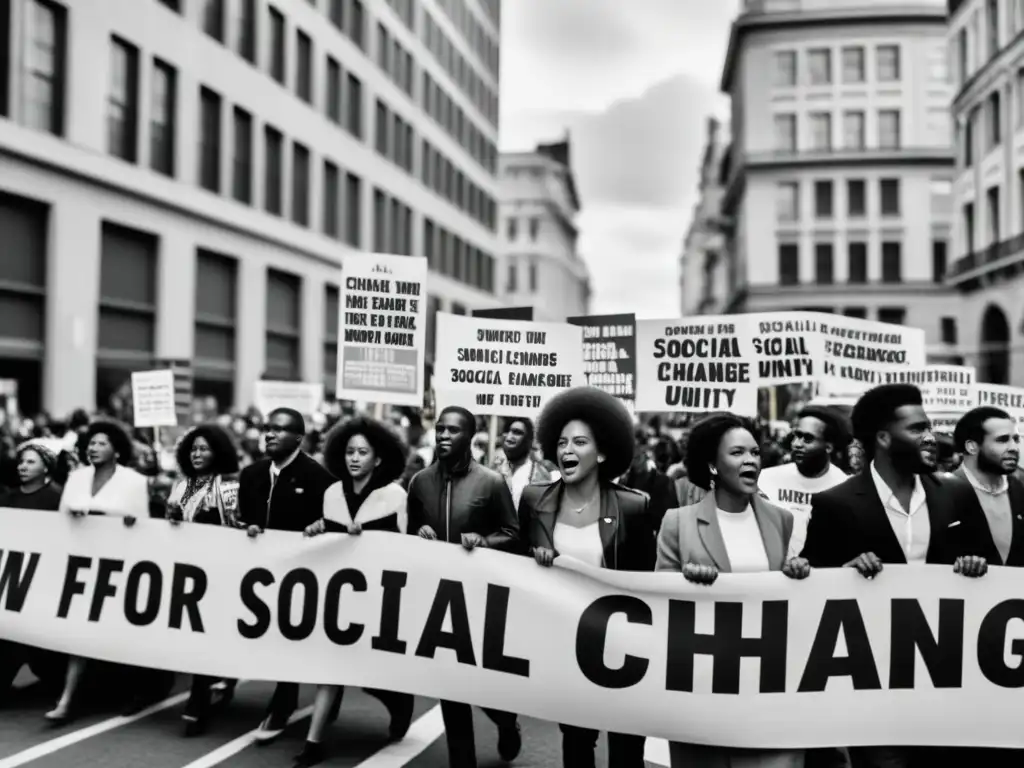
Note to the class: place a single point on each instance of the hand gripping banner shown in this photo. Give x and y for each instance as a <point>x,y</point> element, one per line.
<point>753,661</point>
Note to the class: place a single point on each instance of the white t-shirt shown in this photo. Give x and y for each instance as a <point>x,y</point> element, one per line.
<point>743,542</point>
<point>786,487</point>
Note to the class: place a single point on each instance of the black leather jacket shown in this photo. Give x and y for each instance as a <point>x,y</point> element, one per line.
<point>471,499</point>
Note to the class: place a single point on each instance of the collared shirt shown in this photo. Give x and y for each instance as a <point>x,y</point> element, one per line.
<point>275,473</point>
<point>912,527</point>
<point>995,502</point>
<point>519,479</point>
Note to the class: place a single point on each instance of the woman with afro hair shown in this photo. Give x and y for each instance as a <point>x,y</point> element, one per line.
<point>368,458</point>
<point>584,515</point>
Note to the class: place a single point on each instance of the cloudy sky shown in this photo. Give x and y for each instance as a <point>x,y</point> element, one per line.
<point>634,83</point>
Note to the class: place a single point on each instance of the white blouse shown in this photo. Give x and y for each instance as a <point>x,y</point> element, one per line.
<point>389,500</point>
<point>126,493</point>
<point>743,542</point>
<point>583,544</point>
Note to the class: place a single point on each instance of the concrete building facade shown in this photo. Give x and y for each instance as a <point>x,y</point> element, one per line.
<point>541,266</point>
<point>179,179</point>
<point>986,45</point>
<point>837,185</point>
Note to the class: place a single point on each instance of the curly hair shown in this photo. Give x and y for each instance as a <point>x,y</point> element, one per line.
<point>607,418</point>
<point>225,457</point>
<point>386,445</point>
<point>123,447</point>
<point>702,446</point>
<point>876,410</point>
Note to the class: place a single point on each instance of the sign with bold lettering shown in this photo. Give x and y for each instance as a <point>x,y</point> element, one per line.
<point>788,347</point>
<point>382,321</point>
<point>640,653</point>
<point>609,354</point>
<point>858,351</point>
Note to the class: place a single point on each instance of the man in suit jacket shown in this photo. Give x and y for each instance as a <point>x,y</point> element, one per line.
<point>896,511</point>
<point>283,492</point>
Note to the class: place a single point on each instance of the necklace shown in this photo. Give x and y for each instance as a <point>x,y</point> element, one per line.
<point>579,510</point>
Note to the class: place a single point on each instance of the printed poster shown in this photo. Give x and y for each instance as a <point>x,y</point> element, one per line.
<point>857,351</point>
<point>153,398</point>
<point>303,396</point>
<point>609,354</point>
<point>382,327</point>
<point>945,389</point>
<point>788,347</point>
<point>504,367</point>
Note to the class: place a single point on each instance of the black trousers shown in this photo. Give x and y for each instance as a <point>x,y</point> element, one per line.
<point>284,702</point>
<point>200,696</point>
<point>397,704</point>
<point>48,666</point>
<point>578,746</point>
<point>458,731</point>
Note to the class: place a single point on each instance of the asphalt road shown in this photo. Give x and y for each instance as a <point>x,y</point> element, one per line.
<point>358,739</point>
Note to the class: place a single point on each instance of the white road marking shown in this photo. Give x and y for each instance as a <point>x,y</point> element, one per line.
<point>424,732</point>
<point>656,752</point>
<point>243,742</point>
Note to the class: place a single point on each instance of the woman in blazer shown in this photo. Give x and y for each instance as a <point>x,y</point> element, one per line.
<point>369,458</point>
<point>107,486</point>
<point>732,530</point>
<point>586,516</point>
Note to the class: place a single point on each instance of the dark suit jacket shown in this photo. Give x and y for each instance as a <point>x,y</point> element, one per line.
<point>627,527</point>
<point>981,529</point>
<point>298,495</point>
<point>849,520</point>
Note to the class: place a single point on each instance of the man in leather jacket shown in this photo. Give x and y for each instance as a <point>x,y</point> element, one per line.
<point>459,501</point>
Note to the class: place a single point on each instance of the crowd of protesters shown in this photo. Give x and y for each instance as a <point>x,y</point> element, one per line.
<point>874,487</point>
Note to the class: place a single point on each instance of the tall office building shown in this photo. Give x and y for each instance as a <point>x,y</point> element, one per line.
<point>179,178</point>
<point>987,51</point>
<point>838,181</point>
<point>541,267</point>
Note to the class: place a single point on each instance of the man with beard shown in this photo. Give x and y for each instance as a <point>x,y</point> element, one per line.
<point>896,511</point>
<point>458,501</point>
<point>819,433</point>
<point>515,461</point>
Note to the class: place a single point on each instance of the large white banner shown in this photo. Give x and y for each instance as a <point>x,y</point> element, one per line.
<point>756,660</point>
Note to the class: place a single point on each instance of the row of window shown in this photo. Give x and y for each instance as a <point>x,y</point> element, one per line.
<point>396,62</point>
<point>460,70</point>
<point>857,262</point>
<point>473,32</point>
<point>971,51</point>
<point>438,173</point>
<point>394,137</point>
<point>406,11</point>
<point>887,130</point>
<point>787,202</point>
<point>392,224</point>
<point>853,67</point>
<point>450,116</point>
<point>513,228</point>
<point>450,255</point>
<point>512,286</point>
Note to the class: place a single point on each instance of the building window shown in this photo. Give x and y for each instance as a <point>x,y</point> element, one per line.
<point>533,277</point>
<point>241,184</point>
<point>127,306</point>
<point>354,102</point>
<point>380,222</point>
<point>853,129</point>
<point>300,184</point>
<point>332,319</point>
<point>162,119</point>
<point>938,261</point>
<point>383,48</point>
<point>273,171</point>
<point>856,194</point>
<point>857,262</point>
<point>889,129</point>
<point>894,315</point>
<point>969,226</point>
<point>333,96</point>
<point>949,334</point>
<point>380,128</point>
<point>968,143</point>
<point>787,201</point>
<point>355,22</point>
<point>512,286</point>
<point>994,230</point>
<point>890,197</point>
<point>961,53</point>
<point>353,210</point>
<point>213,19</point>
<point>209,139</point>
<point>247,30</point>
<point>821,131</point>
<point>853,65</point>
<point>860,312</point>
<point>284,325</point>
<point>892,263</point>
<point>823,271</point>
<point>277,45</point>
<point>785,68</point>
<point>991,28</point>
<point>216,295</point>
<point>44,77</point>
<point>789,264</point>
<point>823,199</point>
<point>887,59</point>
<point>993,109</point>
<point>534,229</point>
<point>332,200</point>
<point>819,63</point>
<point>304,67</point>
<point>785,133</point>
<point>123,102</point>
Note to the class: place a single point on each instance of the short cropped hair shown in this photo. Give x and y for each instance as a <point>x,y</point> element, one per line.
<point>836,430</point>
<point>877,408</point>
<point>607,418</point>
<point>291,413</point>
<point>702,445</point>
<point>387,446</point>
<point>972,425</point>
<point>118,438</point>
<point>225,457</point>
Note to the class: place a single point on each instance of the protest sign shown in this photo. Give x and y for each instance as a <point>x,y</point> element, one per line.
<point>696,365</point>
<point>504,367</point>
<point>628,652</point>
<point>383,318</point>
<point>858,350</point>
<point>153,401</point>
<point>302,396</point>
<point>1009,399</point>
<point>944,388</point>
<point>609,354</point>
<point>788,347</point>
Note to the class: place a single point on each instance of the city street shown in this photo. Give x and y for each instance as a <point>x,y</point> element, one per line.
<point>357,740</point>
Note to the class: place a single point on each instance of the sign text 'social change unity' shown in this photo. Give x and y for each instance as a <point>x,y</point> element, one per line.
<point>756,660</point>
